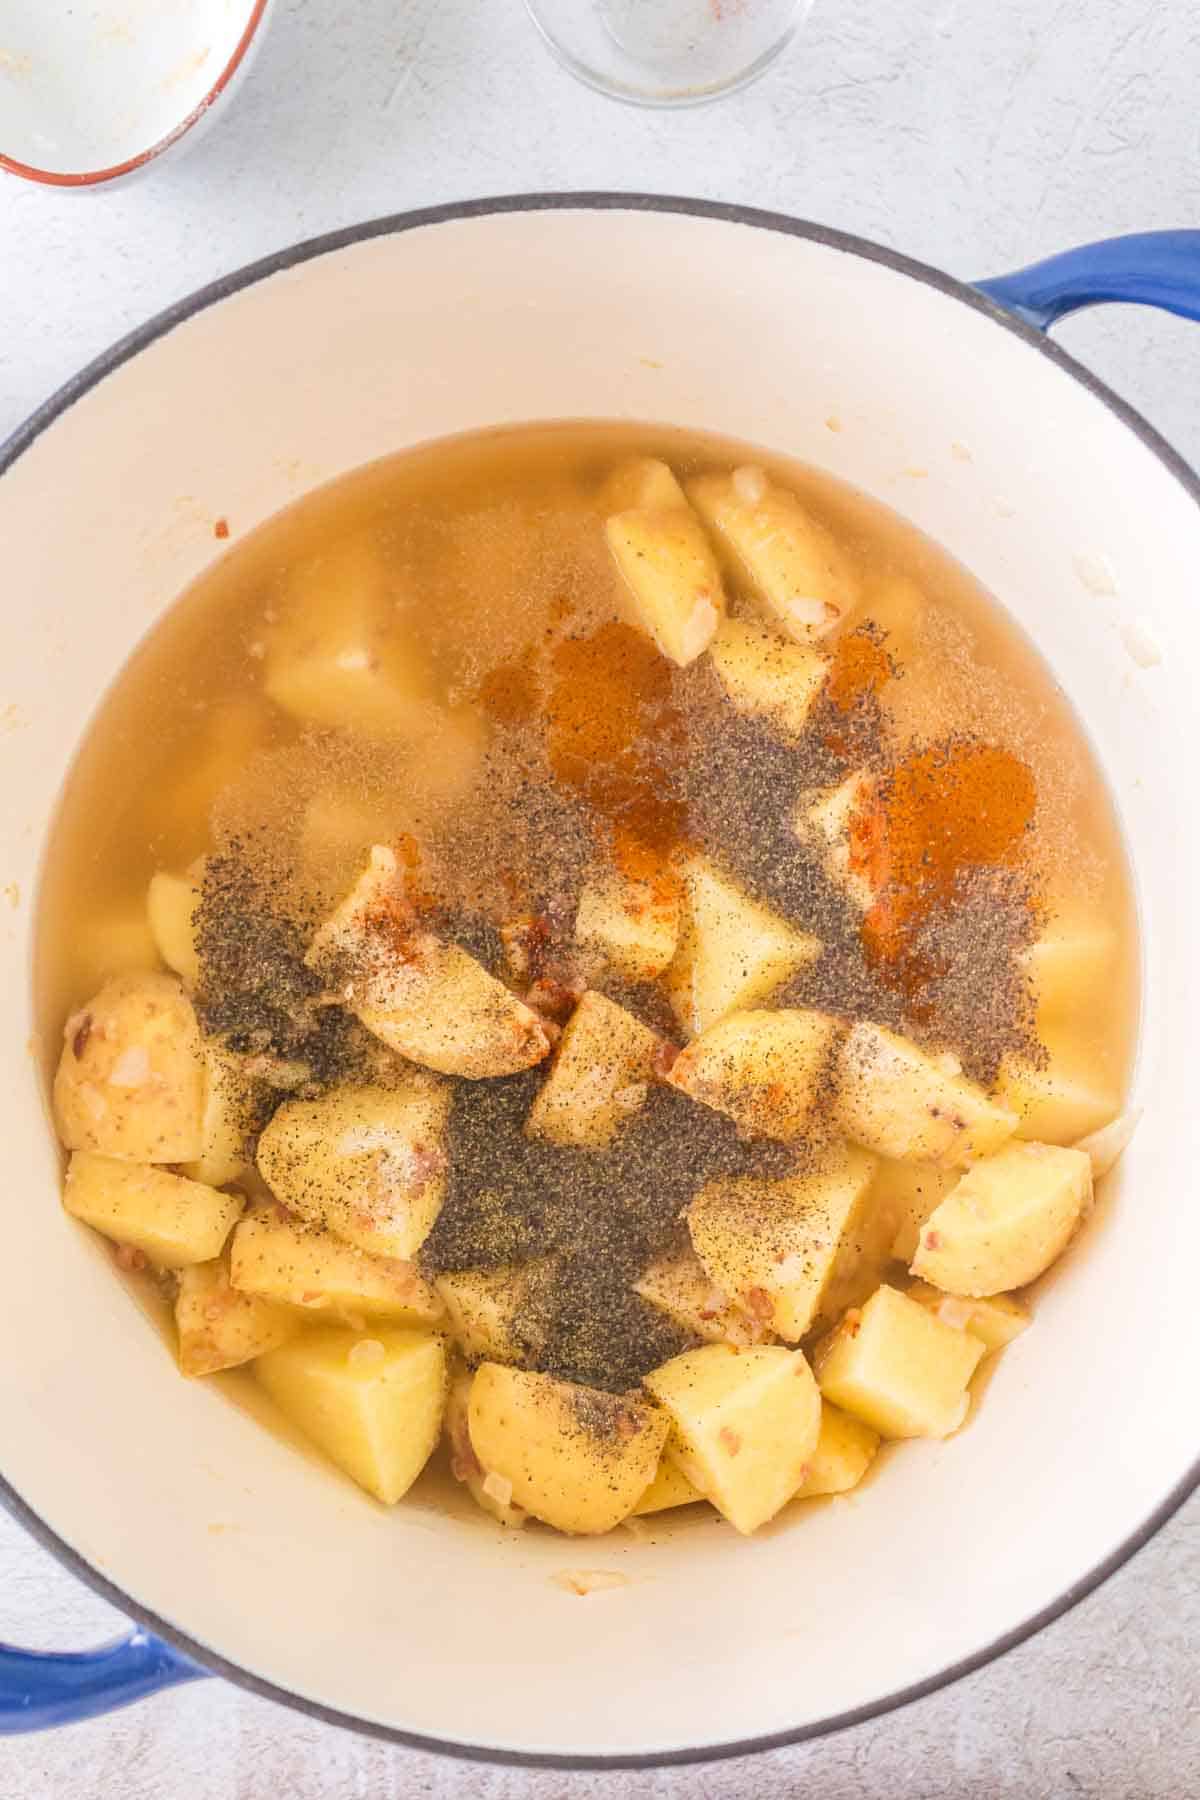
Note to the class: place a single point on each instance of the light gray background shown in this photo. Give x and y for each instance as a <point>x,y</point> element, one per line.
<point>976,134</point>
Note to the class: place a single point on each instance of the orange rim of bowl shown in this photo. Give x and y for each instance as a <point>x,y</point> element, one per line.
<point>96,177</point>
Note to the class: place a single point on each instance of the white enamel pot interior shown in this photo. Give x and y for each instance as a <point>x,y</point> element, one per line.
<point>267,1564</point>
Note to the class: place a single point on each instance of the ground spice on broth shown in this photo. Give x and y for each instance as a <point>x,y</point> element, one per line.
<point>559,737</point>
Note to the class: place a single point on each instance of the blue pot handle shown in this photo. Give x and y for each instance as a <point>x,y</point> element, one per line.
<point>39,1689</point>
<point>1147,268</point>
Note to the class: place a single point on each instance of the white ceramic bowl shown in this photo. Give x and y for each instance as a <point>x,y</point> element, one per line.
<point>270,1567</point>
<point>91,94</point>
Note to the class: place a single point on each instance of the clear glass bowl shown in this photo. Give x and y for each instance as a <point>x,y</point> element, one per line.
<point>667,52</point>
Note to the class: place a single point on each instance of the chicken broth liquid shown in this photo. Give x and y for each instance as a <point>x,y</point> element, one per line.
<point>438,654</point>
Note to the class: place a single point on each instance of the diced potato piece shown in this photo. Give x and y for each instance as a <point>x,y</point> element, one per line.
<point>234,1106</point>
<point>374,1404</point>
<point>630,923</point>
<point>679,1286</point>
<point>483,1307</point>
<point>896,605</point>
<point>117,941</point>
<point>577,1458</point>
<point>744,1424</point>
<point>899,1369</point>
<point>1059,1104</point>
<point>898,1100</point>
<point>131,1079</point>
<point>188,789</point>
<point>220,1328</point>
<point>845,1451</point>
<point>367,1163</point>
<point>336,834</point>
<point>643,482</point>
<point>732,953</point>
<point>773,1245</point>
<point>995,1320</point>
<point>171,1220</point>
<point>824,820</point>
<point>1071,964</point>
<point>171,904</point>
<point>673,583</point>
<point>1006,1221</point>
<point>427,999</point>
<point>281,1259</point>
<point>767,676</point>
<point>337,658</point>
<point>791,566</point>
<point>762,1069</point>
<point>669,1488</point>
<point>908,1193</point>
<point>598,1077</point>
<point>466,1467</point>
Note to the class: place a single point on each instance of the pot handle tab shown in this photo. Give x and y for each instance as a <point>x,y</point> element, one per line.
<point>40,1689</point>
<point>1147,268</point>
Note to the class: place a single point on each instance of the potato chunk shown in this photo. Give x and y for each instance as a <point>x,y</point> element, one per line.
<point>130,1082</point>
<point>995,1320</point>
<point>743,1425</point>
<point>766,676</point>
<point>733,952</point>
<point>171,903</point>
<point>678,1284</point>
<point>483,1307</point>
<point>845,1451</point>
<point>762,1069</point>
<point>426,999</point>
<point>337,657</point>
<point>671,577</point>
<point>368,1163</point>
<point>598,1078</point>
<point>219,1327</point>
<point>235,1104</point>
<point>790,566</point>
<point>773,1245</point>
<point>484,1486</point>
<point>825,822</point>
<point>896,1099</point>
<point>643,482</point>
<point>899,1369</point>
<point>908,1192</point>
<point>373,1404</point>
<point>669,1488</point>
<point>281,1259</point>
<point>171,1220</point>
<point>1006,1221</point>
<point>577,1458</point>
<point>1067,1099</point>
<point>630,923</point>
<point>1071,963</point>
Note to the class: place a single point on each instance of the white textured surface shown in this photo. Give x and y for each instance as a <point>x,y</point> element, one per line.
<point>974,136</point>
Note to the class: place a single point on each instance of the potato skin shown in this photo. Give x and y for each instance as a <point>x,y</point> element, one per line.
<point>131,1079</point>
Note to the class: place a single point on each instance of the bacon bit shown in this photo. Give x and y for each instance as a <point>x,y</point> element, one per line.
<point>758,1303</point>
<point>665,1058</point>
<point>588,1581</point>
<point>554,1000</point>
<point>130,1258</point>
<point>81,1033</point>
<point>221,528</point>
<point>933,1240</point>
<point>730,1440</point>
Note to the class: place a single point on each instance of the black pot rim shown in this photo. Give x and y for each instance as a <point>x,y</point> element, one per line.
<point>158,326</point>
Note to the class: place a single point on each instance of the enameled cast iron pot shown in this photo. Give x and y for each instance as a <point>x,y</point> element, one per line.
<point>952,408</point>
